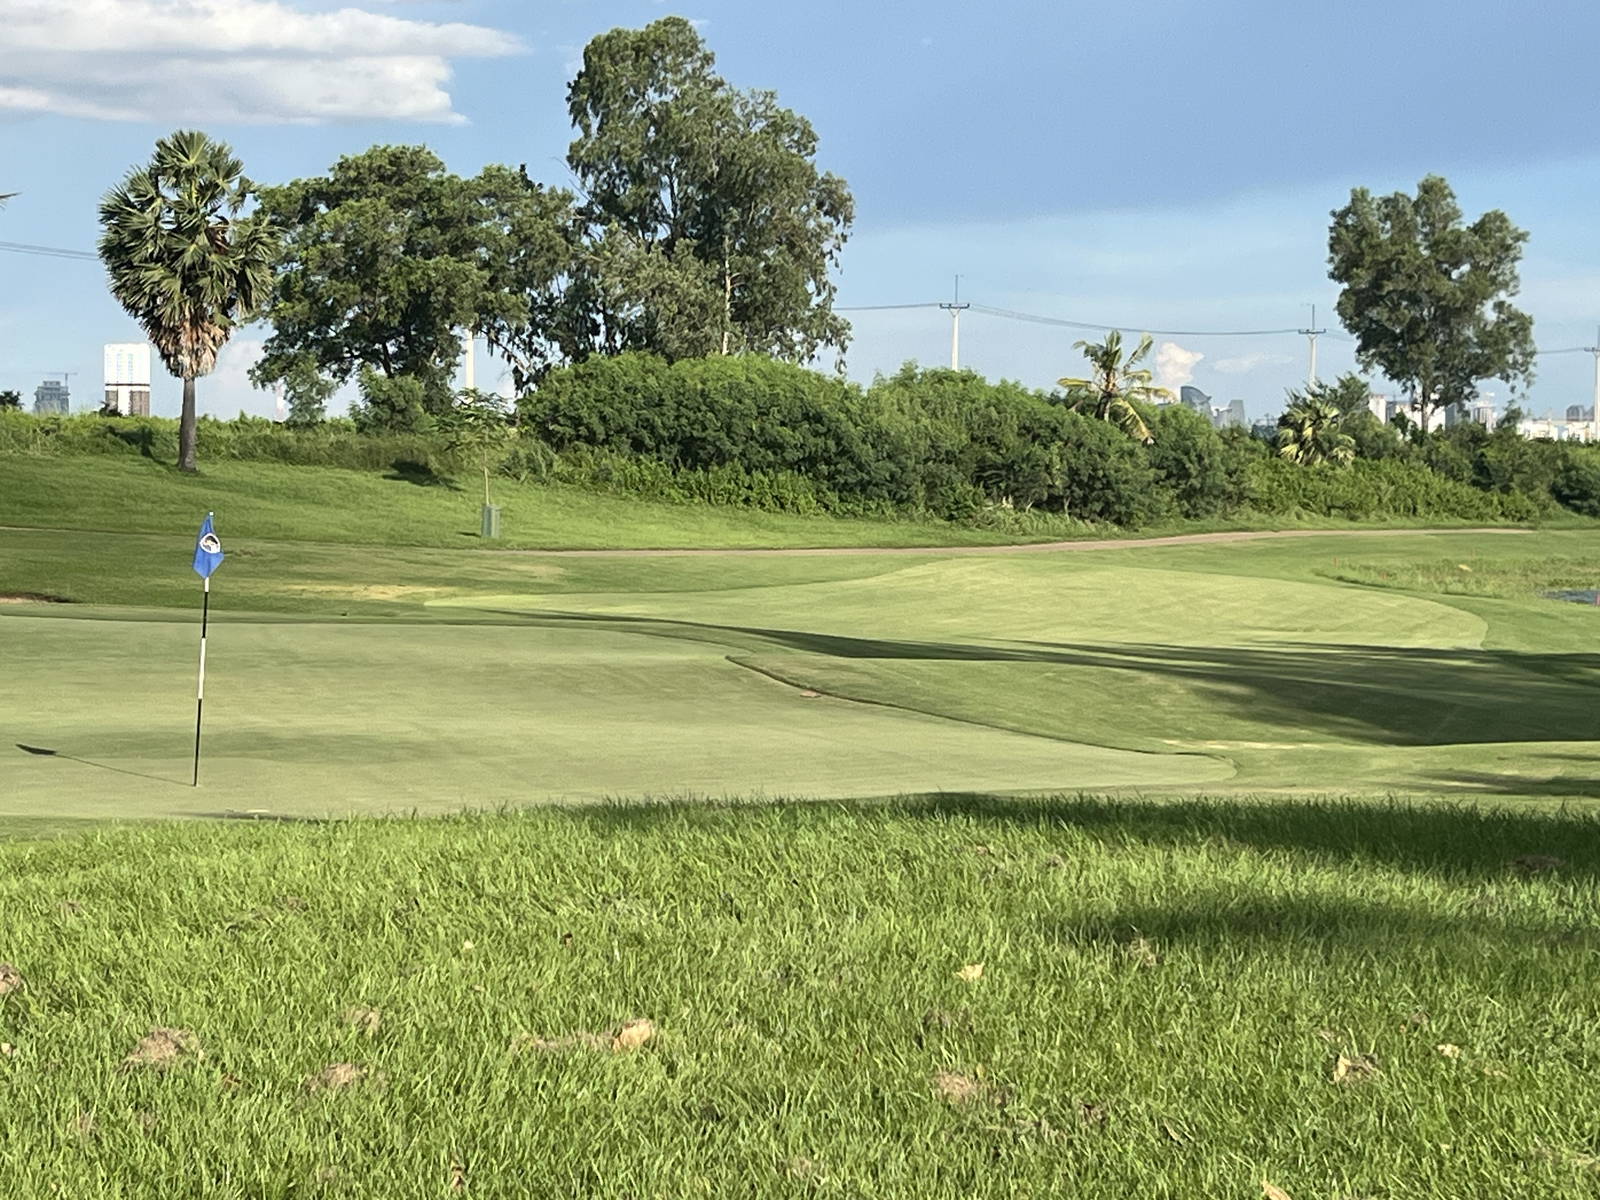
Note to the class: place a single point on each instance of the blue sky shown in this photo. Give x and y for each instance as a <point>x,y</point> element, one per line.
<point>1164,164</point>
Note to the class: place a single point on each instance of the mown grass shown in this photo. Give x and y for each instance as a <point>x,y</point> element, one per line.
<point>405,508</point>
<point>1166,992</point>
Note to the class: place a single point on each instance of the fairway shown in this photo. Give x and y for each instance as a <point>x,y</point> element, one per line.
<point>365,680</point>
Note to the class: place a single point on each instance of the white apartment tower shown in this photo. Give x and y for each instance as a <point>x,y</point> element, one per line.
<point>128,378</point>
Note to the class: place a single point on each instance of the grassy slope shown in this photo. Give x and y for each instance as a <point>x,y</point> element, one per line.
<point>1165,994</point>
<point>267,500</point>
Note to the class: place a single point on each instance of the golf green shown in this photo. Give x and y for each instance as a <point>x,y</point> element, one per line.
<point>364,680</point>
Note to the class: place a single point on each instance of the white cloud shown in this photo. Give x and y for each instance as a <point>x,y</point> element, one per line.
<point>1243,364</point>
<point>230,61</point>
<point>1175,365</point>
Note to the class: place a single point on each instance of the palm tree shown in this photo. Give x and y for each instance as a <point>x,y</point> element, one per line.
<point>183,262</point>
<point>1118,382</point>
<point>1309,433</point>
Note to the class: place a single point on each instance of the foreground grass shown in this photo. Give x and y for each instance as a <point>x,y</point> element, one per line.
<point>1166,994</point>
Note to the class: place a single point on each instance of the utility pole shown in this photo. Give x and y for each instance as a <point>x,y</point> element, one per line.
<point>1594,413</point>
<point>469,361</point>
<point>955,309</point>
<point>1311,335</point>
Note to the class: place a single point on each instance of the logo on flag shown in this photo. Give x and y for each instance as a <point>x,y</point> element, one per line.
<point>207,550</point>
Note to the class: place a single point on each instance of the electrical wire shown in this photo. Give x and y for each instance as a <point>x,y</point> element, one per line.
<point>1035,318</point>
<point>47,251</point>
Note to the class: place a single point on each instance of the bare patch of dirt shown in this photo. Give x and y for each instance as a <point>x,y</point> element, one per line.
<point>957,1088</point>
<point>336,1077</point>
<point>162,1049</point>
<point>32,598</point>
<point>1354,1068</point>
<point>10,979</point>
<point>629,1036</point>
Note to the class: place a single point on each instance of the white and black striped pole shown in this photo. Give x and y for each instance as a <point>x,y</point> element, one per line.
<point>207,558</point>
<point>200,690</point>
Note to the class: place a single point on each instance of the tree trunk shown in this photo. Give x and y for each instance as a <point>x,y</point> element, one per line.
<point>186,429</point>
<point>727,296</point>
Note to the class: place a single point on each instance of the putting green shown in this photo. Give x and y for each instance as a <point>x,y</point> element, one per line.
<point>467,679</point>
<point>305,718</point>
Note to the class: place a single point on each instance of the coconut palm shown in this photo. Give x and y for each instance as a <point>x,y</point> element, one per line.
<point>183,262</point>
<point>1118,384</point>
<point>1309,433</point>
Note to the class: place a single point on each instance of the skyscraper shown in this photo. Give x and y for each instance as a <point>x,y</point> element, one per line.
<point>51,396</point>
<point>128,378</point>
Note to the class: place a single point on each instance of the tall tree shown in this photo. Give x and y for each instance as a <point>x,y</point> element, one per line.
<point>1120,383</point>
<point>183,261</point>
<point>1427,296</point>
<point>11,399</point>
<point>715,193</point>
<point>390,257</point>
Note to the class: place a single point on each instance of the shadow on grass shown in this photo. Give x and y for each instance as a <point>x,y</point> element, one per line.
<point>1388,695</point>
<point>1573,786</point>
<point>42,752</point>
<point>1443,839</point>
<point>420,474</point>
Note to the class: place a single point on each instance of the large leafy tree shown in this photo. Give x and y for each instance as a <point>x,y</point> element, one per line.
<point>184,261</point>
<point>389,257</point>
<point>710,228</point>
<point>1309,432</point>
<point>1119,384</point>
<point>1427,296</point>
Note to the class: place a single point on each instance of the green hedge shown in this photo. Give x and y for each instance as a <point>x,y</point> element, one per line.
<point>256,439</point>
<point>751,432</point>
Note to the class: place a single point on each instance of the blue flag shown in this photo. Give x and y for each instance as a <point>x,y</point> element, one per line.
<point>207,550</point>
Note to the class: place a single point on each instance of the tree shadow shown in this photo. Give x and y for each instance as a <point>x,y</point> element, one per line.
<point>140,437</point>
<point>1386,695</point>
<point>1572,786</point>
<point>1443,839</point>
<point>419,474</point>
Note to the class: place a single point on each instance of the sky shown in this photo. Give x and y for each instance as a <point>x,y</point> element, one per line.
<point>1156,164</point>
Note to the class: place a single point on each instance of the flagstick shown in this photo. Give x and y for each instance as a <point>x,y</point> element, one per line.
<point>200,693</point>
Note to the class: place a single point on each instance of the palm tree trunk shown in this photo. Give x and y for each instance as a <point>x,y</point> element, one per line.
<point>186,429</point>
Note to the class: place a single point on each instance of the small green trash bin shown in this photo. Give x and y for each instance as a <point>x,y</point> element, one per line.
<point>491,521</point>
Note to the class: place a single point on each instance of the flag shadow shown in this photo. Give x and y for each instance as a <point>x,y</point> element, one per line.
<point>43,752</point>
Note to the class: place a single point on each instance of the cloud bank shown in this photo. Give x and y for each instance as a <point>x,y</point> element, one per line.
<point>1175,365</point>
<point>231,61</point>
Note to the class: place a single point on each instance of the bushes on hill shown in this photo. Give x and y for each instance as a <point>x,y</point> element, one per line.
<point>751,432</point>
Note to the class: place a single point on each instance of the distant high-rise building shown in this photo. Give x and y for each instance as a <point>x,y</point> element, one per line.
<point>1231,417</point>
<point>1192,397</point>
<point>51,396</point>
<point>1577,412</point>
<point>128,378</point>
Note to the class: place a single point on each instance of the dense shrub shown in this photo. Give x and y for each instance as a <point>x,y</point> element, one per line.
<point>1388,488</point>
<point>751,432</point>
<point>330,444</point>
<point>1577,483</point>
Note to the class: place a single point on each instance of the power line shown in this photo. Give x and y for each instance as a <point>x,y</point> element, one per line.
<point>883,307</point>
<point>1100,326</point>
<point>47,251</point>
